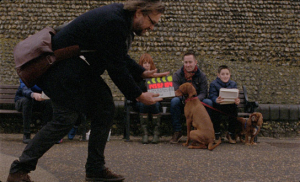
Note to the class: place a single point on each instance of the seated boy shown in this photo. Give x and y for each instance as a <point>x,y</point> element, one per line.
<point>223,81</point>
<point>28,100</point>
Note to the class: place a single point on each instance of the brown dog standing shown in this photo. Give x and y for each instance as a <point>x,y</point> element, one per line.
<point>196,115</point>
<point>250,127</point>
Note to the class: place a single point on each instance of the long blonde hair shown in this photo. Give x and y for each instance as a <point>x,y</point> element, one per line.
<point>146,6</point>
<point>146,58</point>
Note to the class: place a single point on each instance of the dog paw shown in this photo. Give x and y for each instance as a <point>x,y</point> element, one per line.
<point>253,143</point>
<point>247,144</point>
<point>185,144</point>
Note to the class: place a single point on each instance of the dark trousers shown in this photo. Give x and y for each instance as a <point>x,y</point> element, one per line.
<point>28,106</point>
<point>230,109</point>
<point>101,114</point>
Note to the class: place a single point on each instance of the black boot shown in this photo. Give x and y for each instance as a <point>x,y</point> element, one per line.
<point>156,121</point>
<point>144,124</point>
<point>26,138</point>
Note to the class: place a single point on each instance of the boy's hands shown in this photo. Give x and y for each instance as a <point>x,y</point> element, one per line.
<point>237,101</point>
<point>220,100</point>
<point>37,96</point>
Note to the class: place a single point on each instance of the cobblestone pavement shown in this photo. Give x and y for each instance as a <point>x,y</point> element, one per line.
<point>270,160</point>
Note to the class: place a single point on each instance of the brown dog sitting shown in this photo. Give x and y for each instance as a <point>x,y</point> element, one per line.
<point>196,115</point>
<point>250,127</point>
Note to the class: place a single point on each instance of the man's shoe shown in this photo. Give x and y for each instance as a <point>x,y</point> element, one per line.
<point>104,175</point>
<point>230,138</point>
<point>72,133</point>
<point>176,137</point>
<point>18,176</point>
<point>26,138</point>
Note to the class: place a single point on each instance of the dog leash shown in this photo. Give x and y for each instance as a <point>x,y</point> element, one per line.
<point>192,98</point>
<point>206,105</point>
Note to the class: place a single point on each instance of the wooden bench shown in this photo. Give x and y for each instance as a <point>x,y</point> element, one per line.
<point>7,103</point>
<point>7,99</point>
<point>245,108</point>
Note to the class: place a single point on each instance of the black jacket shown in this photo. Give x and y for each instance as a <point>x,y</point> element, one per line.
<point>108,31</point>
<point>199,81</point>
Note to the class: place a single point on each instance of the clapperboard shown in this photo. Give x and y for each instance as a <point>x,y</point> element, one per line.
<point>163,86</point>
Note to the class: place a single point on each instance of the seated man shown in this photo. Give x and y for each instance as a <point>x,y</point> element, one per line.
<point>28,100</point>
<point>223,81</point>
<point>189,72</point>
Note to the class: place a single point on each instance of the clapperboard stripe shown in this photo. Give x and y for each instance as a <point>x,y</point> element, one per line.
<point>160,80</point>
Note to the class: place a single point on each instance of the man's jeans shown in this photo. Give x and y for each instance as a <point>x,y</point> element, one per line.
<point>177,108</point>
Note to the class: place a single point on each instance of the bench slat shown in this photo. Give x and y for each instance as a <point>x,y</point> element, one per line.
<point>9,112</point>
<point>8,91</point>
<point>9,86</point>
<point>7,97</point>
<point>243,114</point>
<point>7,101</point>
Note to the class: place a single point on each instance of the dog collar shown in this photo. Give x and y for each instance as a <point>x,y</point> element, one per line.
<point>192,98</point>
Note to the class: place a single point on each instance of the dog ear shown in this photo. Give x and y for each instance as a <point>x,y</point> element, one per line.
<point>250,119</point>
<point>178,92</point>
<point>260,119</point>
<point>191,90</point>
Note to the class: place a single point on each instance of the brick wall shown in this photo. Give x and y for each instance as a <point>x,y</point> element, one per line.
<point>258,39</point>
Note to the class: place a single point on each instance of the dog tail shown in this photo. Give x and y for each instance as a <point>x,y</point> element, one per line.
<point>211,145</point>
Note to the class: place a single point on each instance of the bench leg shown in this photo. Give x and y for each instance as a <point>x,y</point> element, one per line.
<point>127,126</point>
<point>84,124</point>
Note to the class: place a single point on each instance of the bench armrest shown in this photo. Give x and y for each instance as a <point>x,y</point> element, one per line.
<point>250,107</point>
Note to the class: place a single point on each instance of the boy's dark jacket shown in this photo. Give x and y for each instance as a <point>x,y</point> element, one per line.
<point>73,83</point>
<point>24,91</point>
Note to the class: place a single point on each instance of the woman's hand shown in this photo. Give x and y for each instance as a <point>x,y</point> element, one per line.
<point>153,74</point>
